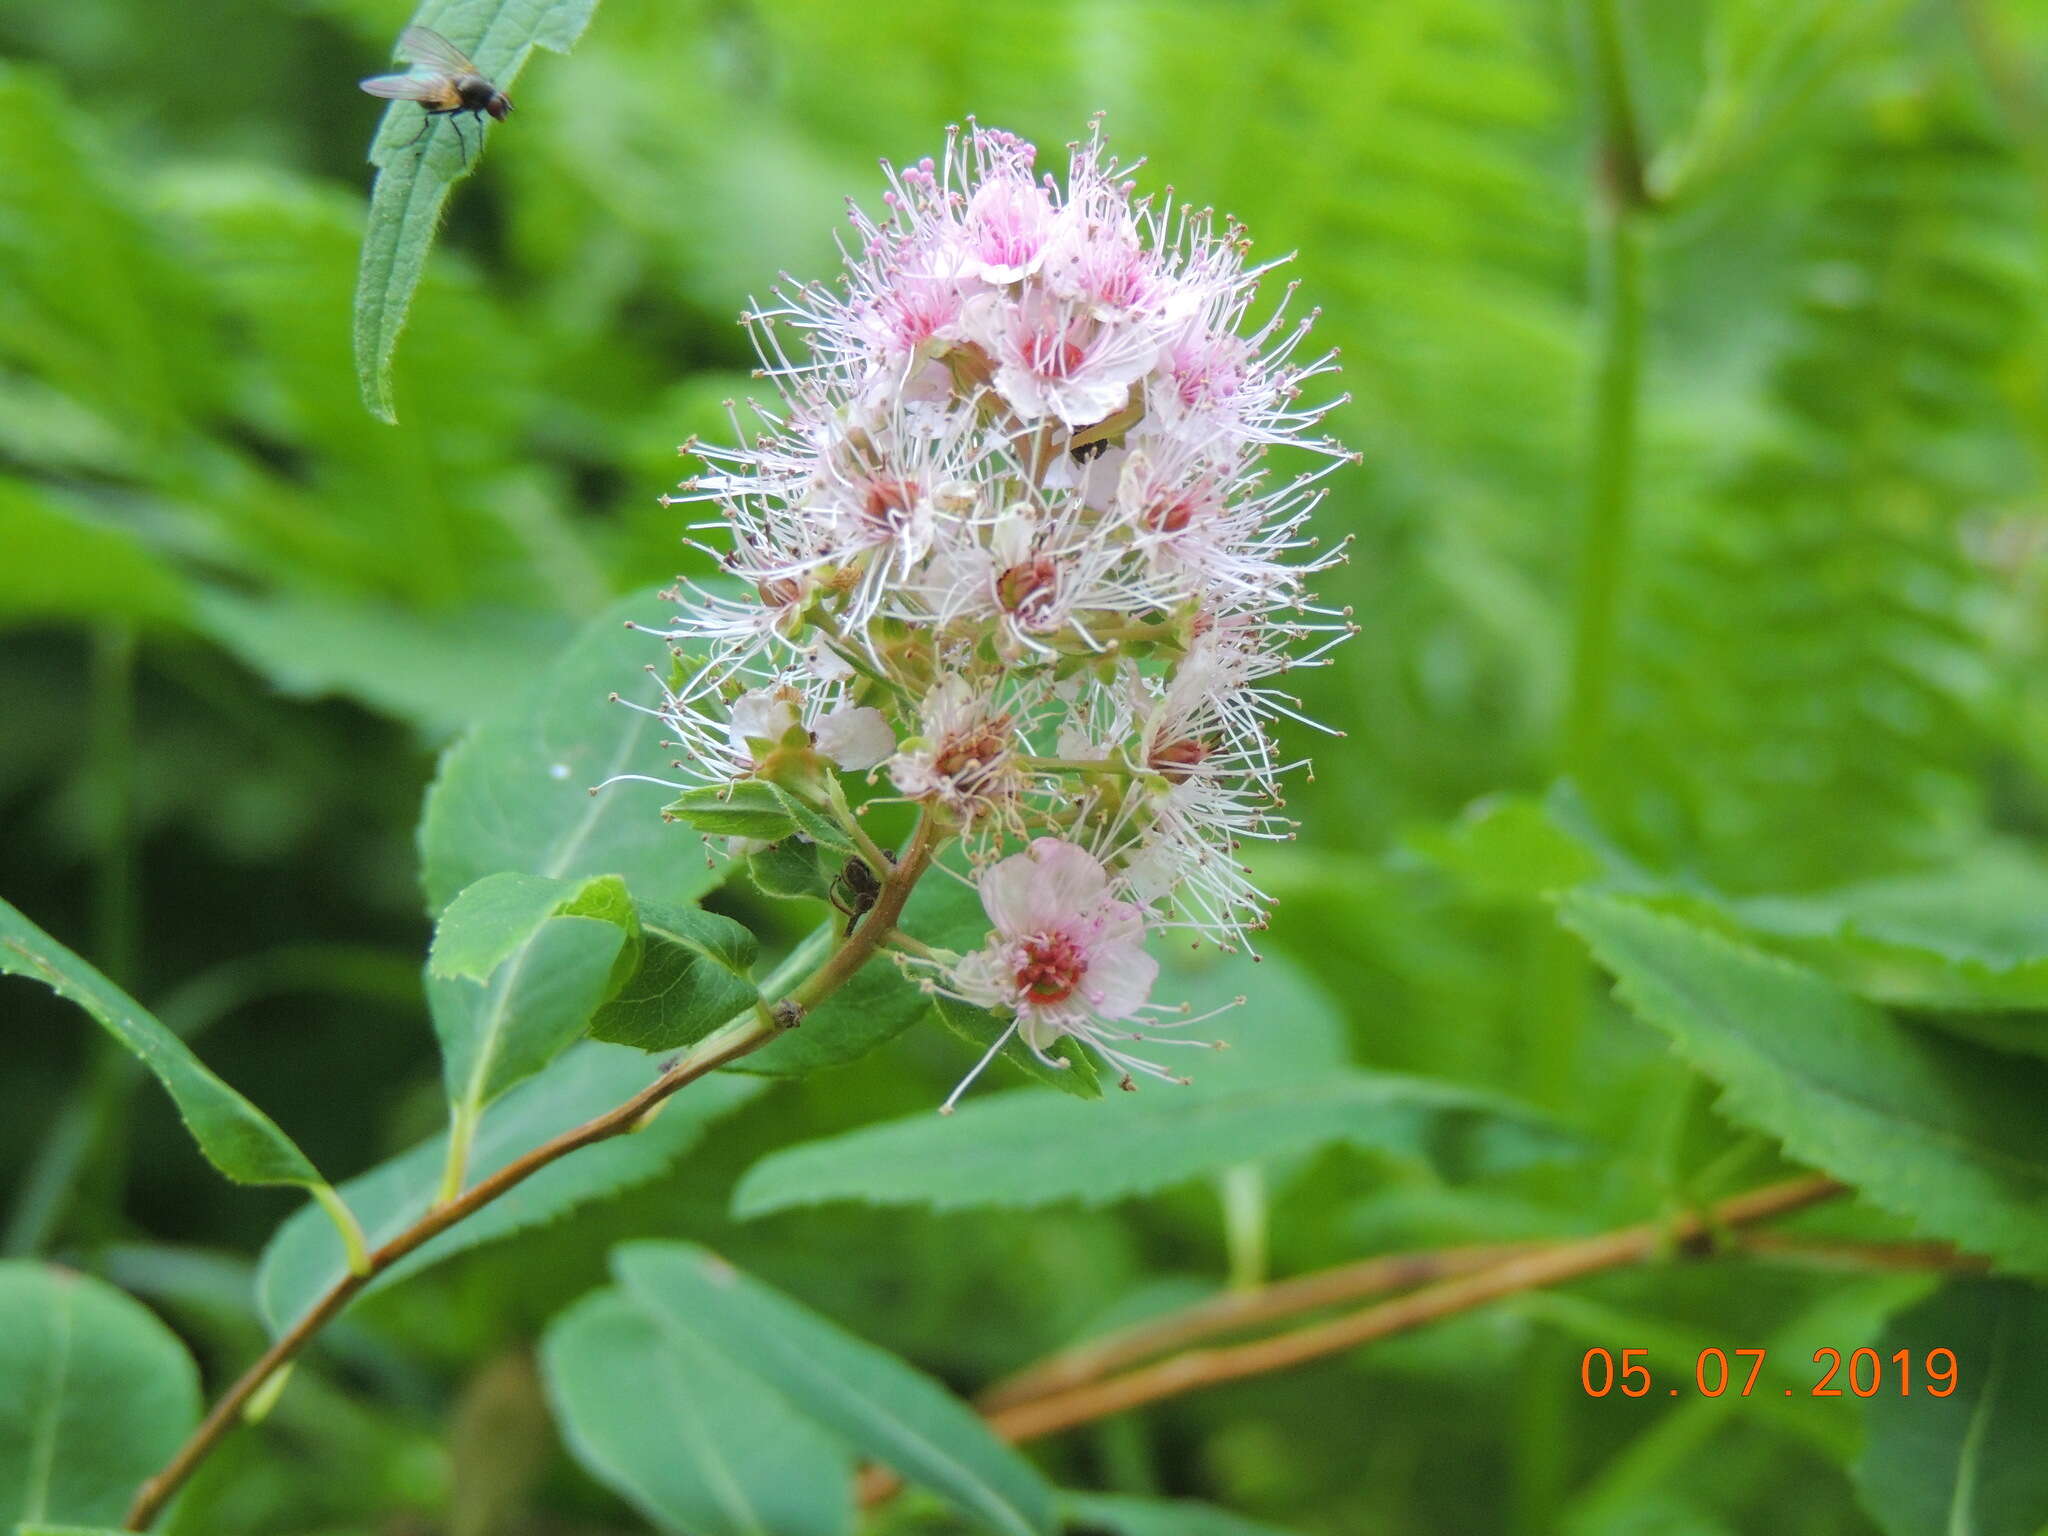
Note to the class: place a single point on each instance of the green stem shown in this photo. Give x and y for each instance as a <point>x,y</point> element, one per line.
<point>828,625</point>
<point>842,812</point>
<point>1076,765</point>
<point>802,960</point>
<point>1618,205</point>
<point>1617,387</point>
<point>113,773</point>
<point>461,1136</point>
<point>351,1230</point>
<point>1243,1188</point>
<point>903,942</point>
<point>96,1192</point>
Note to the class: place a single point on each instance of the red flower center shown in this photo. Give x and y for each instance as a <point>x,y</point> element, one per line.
<point>1026,589</point>
<point>1053,966</point>
<point>779,591</point>
<point>966,756</point>
<point>1177,759</point>
<point>1170,515</point>
<point>889,502</point>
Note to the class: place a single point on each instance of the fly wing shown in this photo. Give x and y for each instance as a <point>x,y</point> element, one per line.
<point>428,49</point>
<point>407,87</point>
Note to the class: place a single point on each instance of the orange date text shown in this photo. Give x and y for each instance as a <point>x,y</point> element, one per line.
<point>1716,1372</point>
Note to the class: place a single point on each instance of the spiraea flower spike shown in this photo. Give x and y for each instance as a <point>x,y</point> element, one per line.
<point>1024,531</point>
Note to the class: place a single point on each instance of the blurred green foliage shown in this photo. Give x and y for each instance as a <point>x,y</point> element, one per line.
<point>239,616</point>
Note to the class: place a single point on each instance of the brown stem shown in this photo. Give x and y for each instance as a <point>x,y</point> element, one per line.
<point>1240,1311</point>
<point>1064,1391</point>
<point>1825,1253</point>
<point>1235,1310</point>
<point>748,1032</point>
<point>1549,1265</point>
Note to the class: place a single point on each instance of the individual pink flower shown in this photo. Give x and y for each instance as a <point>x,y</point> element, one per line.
<point>1067,955</point>
<point>1008,219</point>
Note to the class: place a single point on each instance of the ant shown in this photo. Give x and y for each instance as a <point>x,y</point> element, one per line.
<point>862,887</point>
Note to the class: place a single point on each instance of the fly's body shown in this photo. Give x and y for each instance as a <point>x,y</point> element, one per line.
<point>443,81</point>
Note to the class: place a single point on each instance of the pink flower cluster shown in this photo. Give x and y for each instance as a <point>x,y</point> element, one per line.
<point>1012,537</point>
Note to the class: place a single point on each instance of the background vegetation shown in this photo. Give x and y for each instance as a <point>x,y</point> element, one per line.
<point>1700,555</point>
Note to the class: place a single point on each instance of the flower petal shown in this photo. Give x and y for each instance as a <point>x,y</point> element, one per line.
<point>1119,979</point>
<point>1068,884</point>
<point>1007,895</point>
<point>856,739</point>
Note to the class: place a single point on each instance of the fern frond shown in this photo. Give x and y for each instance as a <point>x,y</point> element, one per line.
<point>1811,679</point>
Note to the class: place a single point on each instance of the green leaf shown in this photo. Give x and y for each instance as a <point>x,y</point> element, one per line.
<point>514,793</point>
<point>749,808</point>
<point>437,671</point>
<point>237,1137</point>
<point>1971,1463</point>
<point>982,1029</point>
<point>872,1008</point>
<point>1510,848</point>
<point>304,1259</point>
<point>487,923</point>
<point>1945,1133</point>
<point>792,869</point>
<point>1113,1514</point>
<point>879,1002</point>
<point>692,1441</point>
<point>1026,1148</point>
<point>883,1407</point>
<point>501,1033</point>
<point>413,180</point>
<point>61,564</point>
<point>692,978</point>
<point>1971,934</point>
<point>96,301</point>
<point>95,1395</point>
<point>815,824</point>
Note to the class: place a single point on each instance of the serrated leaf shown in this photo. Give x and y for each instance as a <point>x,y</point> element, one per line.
<point>304,1259</point>
<point>692,978</point>
<point>696,1444</point>
<point>814,823</point>
<point>1969,935</point>
<point>872,1399</point>
<point>791,870</point>
<point>1938,1130</point>
<point>237,1137</point>
<point>514,793</point>
<point>487,922</point>
<point>498,1034</point>
<point>1970,1463</point>
<point>749,808</point>
<point>95,1395</point>
<point>1026,1148</point>
<point>982,1029</point>
<point>414,179</point>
